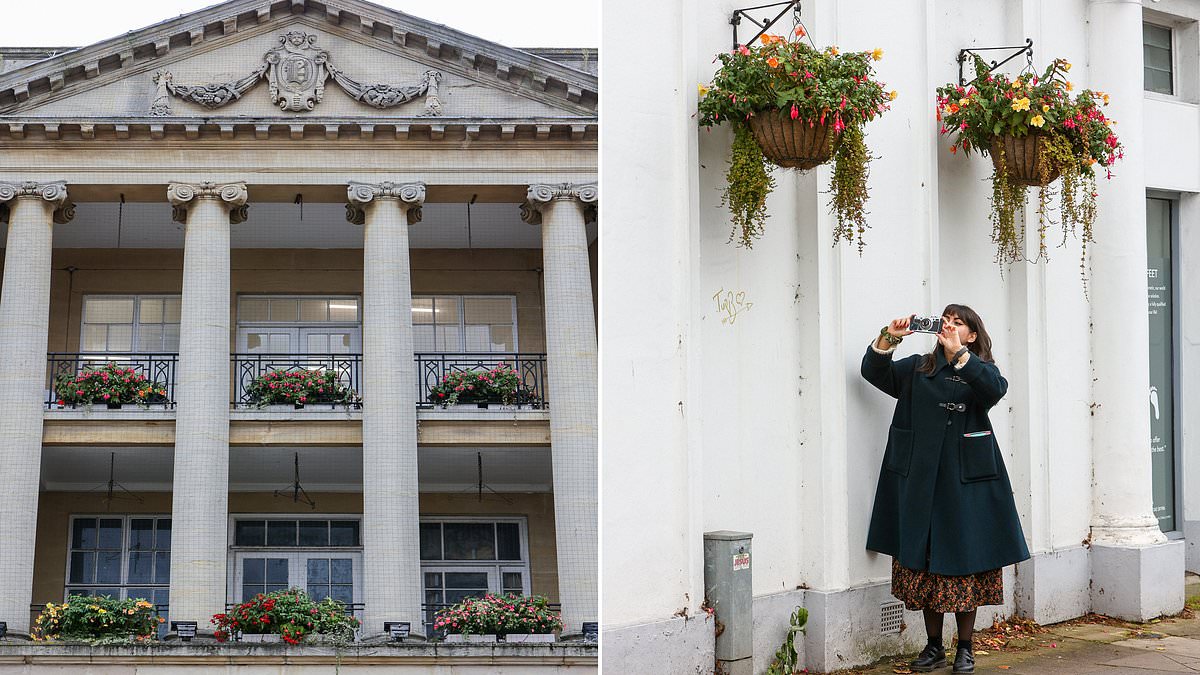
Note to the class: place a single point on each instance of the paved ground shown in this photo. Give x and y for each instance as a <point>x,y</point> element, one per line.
<point>1093,645</point>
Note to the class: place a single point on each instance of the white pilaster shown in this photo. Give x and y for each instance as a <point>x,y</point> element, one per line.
<point>24,323</point>
<point>200,492</point>
<point>561,210</point>
<point>391,513</point>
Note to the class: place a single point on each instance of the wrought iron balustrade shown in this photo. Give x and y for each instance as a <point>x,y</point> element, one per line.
<point>249,367</point>
<point>434,367</point>
<point>157,368</point>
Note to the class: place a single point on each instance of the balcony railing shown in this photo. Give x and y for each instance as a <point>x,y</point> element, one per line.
<point>433,367</point>
<point>248,367</point>
<point>158,369</point>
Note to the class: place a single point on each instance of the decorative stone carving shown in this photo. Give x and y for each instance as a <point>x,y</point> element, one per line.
<point>297,71</point>
<point>233,194</point>
<point>359,195</point>
<point>54,192</point>
<point>537,196</point>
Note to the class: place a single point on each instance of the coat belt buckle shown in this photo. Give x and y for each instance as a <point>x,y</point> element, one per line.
<point>954,407</point>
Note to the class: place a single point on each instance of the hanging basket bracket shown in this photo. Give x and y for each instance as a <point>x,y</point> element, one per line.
<point>1026,49</point>
<point>738,14</point>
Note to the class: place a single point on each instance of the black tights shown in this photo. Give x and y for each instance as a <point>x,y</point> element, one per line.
<point>966,626</point>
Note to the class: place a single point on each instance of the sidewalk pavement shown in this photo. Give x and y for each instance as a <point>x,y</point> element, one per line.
<point>1090,645</point>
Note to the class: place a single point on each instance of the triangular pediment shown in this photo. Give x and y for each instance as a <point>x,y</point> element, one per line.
<point>297,59</point>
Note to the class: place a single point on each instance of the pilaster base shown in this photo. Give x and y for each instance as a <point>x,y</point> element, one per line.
<point>1191,538</point>
<point>1138,583</point>
<point>1054,586</point>
<point>676,645</point>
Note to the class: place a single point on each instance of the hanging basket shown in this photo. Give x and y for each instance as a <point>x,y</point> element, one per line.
<point>791,143</point>
<point>1022,156</point>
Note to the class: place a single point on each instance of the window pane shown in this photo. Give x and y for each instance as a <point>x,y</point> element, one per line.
<point>458,595</point>
<point>120,338</point>
<point>343,309</point>
<point>445,310</point>
<point>277,571</point>
<point>83,567</point>
<point>284,310</point>
<point>108,310</point>
<point>341,571</point>
<point>1158,81</point>
<point>488,310</point>
<point>252,310</point>
<point>280,343</point>
<point>313,310</point>
<point>250,533</point>
<point>1158,36</point>
<point>254,570</point>
<point>509,536</point>
<point>249,591</point>
<point>162,567</point>
<point>151,310</point>
<point>141,568</point>
<point>108,567</point>
<point>171,337</point>
<point>431,541</point>
<point>339,344</point>
<point>479,339</point>
<point>171,307</point>
<point>84,533</point>
<point>343,533</point>
<point>422,310</point>
<point>110,533</point>
<point>95,338</point>
<point>502,339</point>
<point>276,587</point>
<point>343,593</point>
<point>141,534</point>
<point>281,533</point>
<point>318,571</point>
<point>164,534</point>
<point>314,533</point>
<point>423,339</point>
<point>140,594</point>
<point>512,582</point>
<point>318,344</point>
<point>1158,59</point>
<point>150,338</point>
<point>433,580</point>
<point>470,541</point>
<point>449,339</point>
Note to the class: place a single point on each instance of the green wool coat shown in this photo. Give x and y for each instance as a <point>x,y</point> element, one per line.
<point>944,502</point>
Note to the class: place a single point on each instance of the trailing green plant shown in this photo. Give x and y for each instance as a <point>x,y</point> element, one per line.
<point>1073,137</point>
<point>299,386</point>
<point>501,384</point>
<point>499,614</point>
<point>817,88</point>
<point>291,614</point>
<point>97,619</point>
<point>110,383</point>
<point>786,659</point>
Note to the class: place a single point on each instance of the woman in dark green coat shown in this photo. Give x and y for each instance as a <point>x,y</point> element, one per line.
<point>944,508</point>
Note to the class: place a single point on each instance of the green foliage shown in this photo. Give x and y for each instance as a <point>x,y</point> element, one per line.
<point>110,383</point>
<point>817,87</point>
<point>299,386</point>
<point>747,184</point>
<point>499,614</point>
<point>100,619</point>
<point>786,657</point>
<point>291,614</point>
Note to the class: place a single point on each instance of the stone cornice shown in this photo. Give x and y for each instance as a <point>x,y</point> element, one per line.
<point>538,196</point>
<point>230,128</point>
<point>54,192</point>
<point>358,195</point>
<point>182,194</point>
<point>438,43</point>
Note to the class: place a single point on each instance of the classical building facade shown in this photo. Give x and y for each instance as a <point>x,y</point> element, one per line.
<point>297,186</point>
<point>767,427</point>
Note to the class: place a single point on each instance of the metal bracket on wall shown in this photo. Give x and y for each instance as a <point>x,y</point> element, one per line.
<point>766,23</point>
<point>1026,49</point>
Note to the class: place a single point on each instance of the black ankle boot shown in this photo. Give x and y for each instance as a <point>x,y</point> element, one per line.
<point>930,658</point>
<point>964,660</point>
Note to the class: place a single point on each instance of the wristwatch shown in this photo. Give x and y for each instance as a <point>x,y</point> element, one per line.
<point>958,355</point>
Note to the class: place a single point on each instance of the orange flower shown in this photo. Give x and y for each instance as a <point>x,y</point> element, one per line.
<point>773,62</point>
<point>833,50</point>
<point>800,31</point>
<point>953,108</point>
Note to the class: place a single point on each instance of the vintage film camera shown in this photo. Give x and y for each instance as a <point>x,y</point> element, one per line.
<point>925,324</point>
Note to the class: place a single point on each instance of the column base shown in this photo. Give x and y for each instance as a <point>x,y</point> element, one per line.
<point>676,645</point>
<point>1138,583</point>
<point>1054,586</point>
<point>1191,538</point>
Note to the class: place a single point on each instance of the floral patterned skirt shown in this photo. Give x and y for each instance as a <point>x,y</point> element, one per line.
<point>919,589</point>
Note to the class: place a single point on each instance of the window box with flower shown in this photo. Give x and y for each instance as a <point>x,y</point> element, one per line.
<point>299,388</point>
<point>504,618</point>
<point>98,620</point>
<point>795,106</point>
<point>112,385</point>
<point>482,387</point>
<point>1036,132</point>
<point>290,616</point>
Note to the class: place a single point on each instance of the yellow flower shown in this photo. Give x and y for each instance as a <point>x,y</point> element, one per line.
<point>1105,97</point>
<point>1020,104</point>
<point>1070,86</point>
<point>101,611</point>
<point>1045,108</point>
<point>1037,121</point>
<point>892,95</point>
<point>1016,83</point>
<point>963,101</point>
<point>1066,65</point>
<point>702,89</point>
<point>877,54</point>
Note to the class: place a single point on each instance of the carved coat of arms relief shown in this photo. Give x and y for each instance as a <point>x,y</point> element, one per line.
<point>296,71</point>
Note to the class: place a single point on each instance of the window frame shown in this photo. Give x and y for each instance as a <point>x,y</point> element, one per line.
<point>462,320</point>
<point>137,298</point>
<point>126,532</point>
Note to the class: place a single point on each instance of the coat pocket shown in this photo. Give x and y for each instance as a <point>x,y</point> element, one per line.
<point>977,458</point>
<point>898,455</point>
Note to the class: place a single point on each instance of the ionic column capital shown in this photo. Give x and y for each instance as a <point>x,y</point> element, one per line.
<point>53,192</point>
<point>540,195</point>
<point>358,195</point>
<point>181,195</point>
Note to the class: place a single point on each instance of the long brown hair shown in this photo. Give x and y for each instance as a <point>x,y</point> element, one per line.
<point>981,347</point>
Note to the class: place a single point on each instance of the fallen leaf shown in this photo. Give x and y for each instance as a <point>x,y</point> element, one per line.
<point>981,652</point>
<point>902,671</point>
<point>1004,667</point>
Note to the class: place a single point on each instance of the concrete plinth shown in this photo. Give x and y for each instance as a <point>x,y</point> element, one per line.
<point>677,645</point>
<point>1138,583</point>
<point>1054,586</point>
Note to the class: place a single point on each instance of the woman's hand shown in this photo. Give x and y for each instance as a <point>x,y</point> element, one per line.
<point>950,340</point>
<point>899,327</point>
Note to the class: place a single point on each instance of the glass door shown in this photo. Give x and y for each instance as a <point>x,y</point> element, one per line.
<point>1160,217</point>
<point>322,574</point>
<point>447,586</point>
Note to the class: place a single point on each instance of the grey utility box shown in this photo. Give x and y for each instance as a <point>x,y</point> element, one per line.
<point>727,577</point>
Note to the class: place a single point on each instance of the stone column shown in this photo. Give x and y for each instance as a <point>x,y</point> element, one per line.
<point>391,513</point>
<point>33,209</point>
<point>200,493</point>
<point>571,375</point>
<point>1137,574</point>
